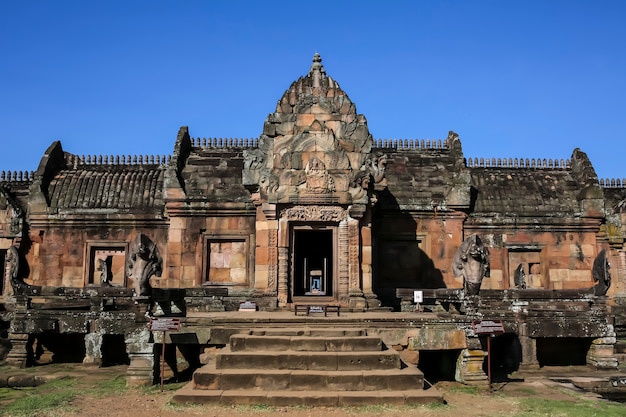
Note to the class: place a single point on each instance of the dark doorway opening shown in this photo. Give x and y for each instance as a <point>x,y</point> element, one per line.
<point>438,365</point>
<point>313,263</point>
<point>506,356</point>
<point>562,351</point>
<point>114,350</point>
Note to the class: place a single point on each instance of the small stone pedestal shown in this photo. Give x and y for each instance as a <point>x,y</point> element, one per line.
<point>18,355</point>
<point>140,349</point>
<point>469,367</point>
<point>140,346</point>
<point>601,354</point>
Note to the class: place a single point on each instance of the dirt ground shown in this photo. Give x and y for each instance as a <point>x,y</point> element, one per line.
<point>460,400</point>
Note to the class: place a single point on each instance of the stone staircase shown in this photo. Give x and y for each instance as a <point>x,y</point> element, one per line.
<point>310,367</point>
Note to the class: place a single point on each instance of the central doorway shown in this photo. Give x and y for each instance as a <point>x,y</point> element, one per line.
<point>312,276</point>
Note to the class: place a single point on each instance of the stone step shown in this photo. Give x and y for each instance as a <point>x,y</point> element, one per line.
<point>320,361</point>
<point>210,378</point>
<point>281,398</point>
<point>309,331</point>
<point>241,342</point>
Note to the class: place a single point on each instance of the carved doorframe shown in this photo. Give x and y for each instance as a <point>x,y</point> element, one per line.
<point>332,216</point>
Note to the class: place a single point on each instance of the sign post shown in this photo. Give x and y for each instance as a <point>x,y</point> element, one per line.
<point>489,328</point>
<point>163,324</point>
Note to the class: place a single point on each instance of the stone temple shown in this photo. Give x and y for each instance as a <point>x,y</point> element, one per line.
<point>314,224</point>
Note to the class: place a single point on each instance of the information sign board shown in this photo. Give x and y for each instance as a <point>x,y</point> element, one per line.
<point>488,326</point>
<point>164,324</point>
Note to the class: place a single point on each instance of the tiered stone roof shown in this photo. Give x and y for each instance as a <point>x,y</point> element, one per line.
<point>120,187</point>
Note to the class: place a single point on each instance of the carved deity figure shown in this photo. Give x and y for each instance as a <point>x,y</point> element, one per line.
<point>601,274</point>
<point>472,261</point>
<point>519,277</point>
<point>144,262</point>
<point>317,178</point>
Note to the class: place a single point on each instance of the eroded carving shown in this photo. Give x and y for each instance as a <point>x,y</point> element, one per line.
<point>104,266</point>
<point>315,213</point>
<point>601,274</point>
<point>471,260</point>
<point>144,262</point>
<point>318,181</point>
<point>13,272</point>
<point>519,277</point>
<point>13,216</point>
<point>359,187</point>
<point>377,164</point>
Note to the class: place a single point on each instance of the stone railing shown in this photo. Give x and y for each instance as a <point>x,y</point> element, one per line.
<point>225,142</point>
<point>411,143</point>
<point>16,176</point>
<point>613,182</point>
<point>518,163</point>
<point>76,160</point>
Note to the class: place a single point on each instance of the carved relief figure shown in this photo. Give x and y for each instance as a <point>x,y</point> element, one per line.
<point>14,213</point>
<point>377,164</point>
<point>519,277</point>
<point>472,261</point>
<point>105,271</point>
<point>253,159</point>
<point>13,271</point>
<point>144,262</point>
<point>601,274</point>
<point>359,187</point>
<point>317,178</point>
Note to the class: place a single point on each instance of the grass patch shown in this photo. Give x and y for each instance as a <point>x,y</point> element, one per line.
<point>115,385</point>
<point>467,389</point>
<point>54,396</point>
<point>538,407</point>
<point>39,404</point>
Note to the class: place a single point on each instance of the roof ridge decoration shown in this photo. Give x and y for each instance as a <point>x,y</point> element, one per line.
<point>315,147</point>
<point>523,163</point>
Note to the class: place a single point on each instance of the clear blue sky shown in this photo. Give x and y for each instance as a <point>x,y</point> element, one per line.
<point>512,78</point>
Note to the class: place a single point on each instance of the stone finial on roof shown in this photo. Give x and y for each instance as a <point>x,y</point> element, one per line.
<point>317,64</point>
<point>317,71</point>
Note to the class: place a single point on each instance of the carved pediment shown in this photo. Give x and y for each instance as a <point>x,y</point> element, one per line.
<point>315,148</point>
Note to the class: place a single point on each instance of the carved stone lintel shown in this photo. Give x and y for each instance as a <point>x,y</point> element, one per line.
<point>315,213</point>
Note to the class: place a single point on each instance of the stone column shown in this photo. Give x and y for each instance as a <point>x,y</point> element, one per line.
<point>366,267</point>
<point>283,276</point>
<point>357,300</point>
<point>529,348</point>
<point>19,354</point>
<point>343,281</point>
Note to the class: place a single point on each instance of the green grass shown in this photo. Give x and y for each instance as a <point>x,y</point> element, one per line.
<point>32,401</point>
<point>538,407</point>
<point>53,397</point>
